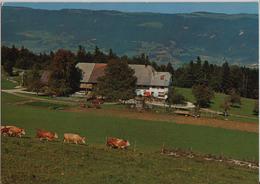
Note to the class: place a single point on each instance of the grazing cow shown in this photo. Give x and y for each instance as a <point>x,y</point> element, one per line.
<point>49,136</point>
<point>117,143</point>
<point>5,130</point>
<point>74,138</point>
<point>6,126</point>
<point>15,131</point>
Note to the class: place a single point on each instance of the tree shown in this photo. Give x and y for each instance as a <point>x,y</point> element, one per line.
<point>225,78</point>
<point>198,72</point>
<point>163,68</point>
<point>118,82</point>
<point>8,67</point>
<point>169,68</point>
<point>235,78</point>
<point>226,106</point>
<point>8,58</point>
<point>234,98</point>
<point>99,56</point>
<point>256,108</point>
<point>203,94</point>
<point>97,51</point>
<point>33,80</point>
<point>155,65</point>
<point>215,77</point>
<point>65,77</point>
<point>174,97</point>
<point>25,59</point>
<point>206,70</point>
<point>111,54</point>
<point>189,75</point>
<point>81,54</point>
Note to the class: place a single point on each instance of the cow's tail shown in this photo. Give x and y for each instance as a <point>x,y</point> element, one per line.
<point>107,143</point>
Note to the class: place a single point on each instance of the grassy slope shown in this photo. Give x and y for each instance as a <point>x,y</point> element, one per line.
<point>5,84</point>
<point>245,109</point>
<point>31,161</point>
<point>148,135</point>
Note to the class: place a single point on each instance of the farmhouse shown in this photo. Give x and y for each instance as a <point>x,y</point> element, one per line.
<point>149,81</point>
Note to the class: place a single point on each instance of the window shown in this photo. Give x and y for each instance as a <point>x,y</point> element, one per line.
<point>162,77</point>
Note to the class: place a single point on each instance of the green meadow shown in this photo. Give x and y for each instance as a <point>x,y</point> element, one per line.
<point>55,162</point>
<point>6,84</point>
<point>27,160</point>
<point>144,135</point>
<point>242,113</point>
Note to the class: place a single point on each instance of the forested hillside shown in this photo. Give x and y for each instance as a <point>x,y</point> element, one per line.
<point>174,38</point>
<point>225,78</point>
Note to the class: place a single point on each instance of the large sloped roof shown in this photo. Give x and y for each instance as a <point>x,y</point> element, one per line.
<point>86,69</point>
<point>146,75</point>
<point>143,74</point>
<point>98,71</point>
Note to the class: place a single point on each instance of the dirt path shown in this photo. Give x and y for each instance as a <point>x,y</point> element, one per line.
<point>226,124</point>
<point>17,92</point>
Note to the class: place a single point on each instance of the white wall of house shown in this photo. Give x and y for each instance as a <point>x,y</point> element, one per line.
<point>156,92</point>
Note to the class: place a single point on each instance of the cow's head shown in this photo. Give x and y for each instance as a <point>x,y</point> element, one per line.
<point>55,135</point>
<point>127,143</point>
<point>83,140</point>
<point>22,131</point>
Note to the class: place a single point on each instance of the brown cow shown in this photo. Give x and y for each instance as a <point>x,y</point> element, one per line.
<point>74,138</point>
<point>5,130</point>
<point>117,143</point>
<point>43,134</point>
<point>15,131</point>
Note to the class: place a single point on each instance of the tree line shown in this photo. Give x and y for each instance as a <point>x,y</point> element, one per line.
<point>225,78</point>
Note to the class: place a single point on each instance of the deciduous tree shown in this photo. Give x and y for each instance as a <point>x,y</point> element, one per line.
<point>33,80</point>
<point>65,77</point>
<point>235,99</point>
<point>226,106</point>
<point>203,94</point>
<point>118,82</point>
<point>174,97</point>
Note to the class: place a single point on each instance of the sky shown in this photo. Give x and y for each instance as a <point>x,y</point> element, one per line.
<point>223,7</point>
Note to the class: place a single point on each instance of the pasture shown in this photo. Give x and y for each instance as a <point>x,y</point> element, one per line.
<point>6,84</point>
<point>54,162</point>
<point>145,135</point>
<point>244,113</point>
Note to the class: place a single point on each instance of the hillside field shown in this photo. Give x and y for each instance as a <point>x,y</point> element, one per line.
<point>244,113</point>
<point>28,160</point>
<point>5,84</point>
<point>54,162</point>
<point>146,135</point>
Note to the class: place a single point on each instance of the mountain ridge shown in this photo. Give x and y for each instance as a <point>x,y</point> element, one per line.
<point>174,38</point>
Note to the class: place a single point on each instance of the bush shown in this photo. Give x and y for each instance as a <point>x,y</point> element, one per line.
<point>174,97</point>
<point>8,67</point>
<point>235,99</point>
<point>178,99</point>
<point>203,94</point>
<point>226,106</point>
<point>256,108</point>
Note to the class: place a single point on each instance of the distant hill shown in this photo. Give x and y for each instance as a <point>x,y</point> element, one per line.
<point>165,38</point>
